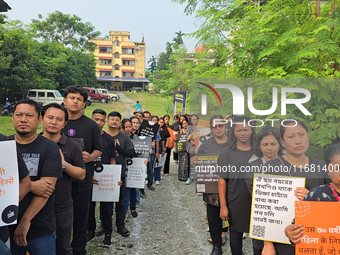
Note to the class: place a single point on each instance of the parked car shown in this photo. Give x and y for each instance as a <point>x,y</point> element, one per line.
<point>114,97</point>
<point>96,95</point>
<point>45,96</point>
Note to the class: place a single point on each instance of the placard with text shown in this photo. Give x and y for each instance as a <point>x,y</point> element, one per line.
<point>205,173</point>
<point>273,204</point>
<point>9,183</point>
<point>136,170</point>
<point>108,189</point>
<point>321,227</point>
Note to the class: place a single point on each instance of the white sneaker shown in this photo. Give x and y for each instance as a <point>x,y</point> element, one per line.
<point>146,182</point>
<point>157,182</point>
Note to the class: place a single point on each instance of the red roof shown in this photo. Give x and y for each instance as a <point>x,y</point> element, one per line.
<point>200,48</point>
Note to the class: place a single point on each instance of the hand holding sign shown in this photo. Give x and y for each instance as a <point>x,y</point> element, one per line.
<point>294,233</point>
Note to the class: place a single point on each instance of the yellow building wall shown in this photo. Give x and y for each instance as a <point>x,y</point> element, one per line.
<point>123,38</point>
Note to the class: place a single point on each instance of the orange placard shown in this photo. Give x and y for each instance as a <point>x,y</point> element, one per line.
<point>321,224</point>
<point>172,137</point>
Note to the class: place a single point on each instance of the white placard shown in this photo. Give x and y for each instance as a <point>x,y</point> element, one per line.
<point>136,173</point>
<point>108,189</point>
<point>9,183</point>
<point>162,159</point>
<point>273,206</point>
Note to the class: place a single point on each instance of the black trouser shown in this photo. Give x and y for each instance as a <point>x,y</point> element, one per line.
<point>175,155</point>
<point>235,242</point>
<point>120,206</point>
<point>215,224</point>
<point>81,205</point>
<point>106,216</point>
<point>167,161</point>
<point>92,217</point>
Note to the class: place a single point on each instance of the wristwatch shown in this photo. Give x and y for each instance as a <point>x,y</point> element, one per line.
<point>64,167</point>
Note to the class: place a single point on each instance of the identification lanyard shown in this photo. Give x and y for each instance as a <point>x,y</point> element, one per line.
<point>334,192</point>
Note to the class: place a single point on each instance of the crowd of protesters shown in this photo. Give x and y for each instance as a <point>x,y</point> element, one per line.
<point>56,169</point>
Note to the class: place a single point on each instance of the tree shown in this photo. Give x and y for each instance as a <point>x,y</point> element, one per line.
<point>153,64</point>
<point>178,38</point>
<point>163,61</point>
<point>168,48</point>
<point>66,29</point>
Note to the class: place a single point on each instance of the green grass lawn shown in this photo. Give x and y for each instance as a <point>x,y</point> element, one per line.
<point>156,103</point>
<point>6,126</point>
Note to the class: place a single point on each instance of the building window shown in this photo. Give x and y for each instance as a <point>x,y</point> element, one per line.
<point>116,55</point>
<point>105,73</point>
<point>128,62</point>
<point>116,43</point>
<point>105,49</point>
<point>128,74</point>
<point>128,51</point>
<point>116,67</point>
<point>105,61</point>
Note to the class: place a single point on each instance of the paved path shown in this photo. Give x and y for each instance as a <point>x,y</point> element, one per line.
<point>129,105</point>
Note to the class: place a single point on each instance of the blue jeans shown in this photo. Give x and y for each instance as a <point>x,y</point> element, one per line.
<point>39,246</point>
<point>157,173</point>
<point>4,250</point>
<point>150,169</point>
<point>64,221</point>
<point>137,196</point>
<point>130,197</point>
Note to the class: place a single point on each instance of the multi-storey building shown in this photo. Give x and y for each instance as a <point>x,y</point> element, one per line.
<point>120,62</point>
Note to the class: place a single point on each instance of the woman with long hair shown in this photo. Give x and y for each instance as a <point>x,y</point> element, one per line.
<point>130,193</point>
<point>166,167</point>
<point>183,156</point>
<point>294,137</point>
<point>267,146</point>
<point>192,132</point>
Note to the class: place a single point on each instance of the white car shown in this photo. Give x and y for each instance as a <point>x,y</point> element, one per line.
<point>45,96</point>
<point>114,97</point>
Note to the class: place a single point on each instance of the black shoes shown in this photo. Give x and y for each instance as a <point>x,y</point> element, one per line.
<point>134,214</point>
<point>90,235</point>
<point>142,193</point>
<point>151,188</point>
<point>100,231</point>
<point>123,231</point>
<point>216,251</point>
<point>107,241</point>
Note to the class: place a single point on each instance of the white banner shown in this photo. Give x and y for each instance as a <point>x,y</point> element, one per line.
<point>108,189</point>
<point>273,206</point>
<point>135,173</point>
<point>161,161</point>
<point>9,183</point>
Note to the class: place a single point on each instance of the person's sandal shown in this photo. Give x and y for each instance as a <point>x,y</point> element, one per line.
<point>224,239</point>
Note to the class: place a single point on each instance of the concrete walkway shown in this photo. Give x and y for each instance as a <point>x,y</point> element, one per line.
<point>129,105</point>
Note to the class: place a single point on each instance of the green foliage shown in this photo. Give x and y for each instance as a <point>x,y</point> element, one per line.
<point>153,63</point>
<point>66,29</point>
<point>26,63</point>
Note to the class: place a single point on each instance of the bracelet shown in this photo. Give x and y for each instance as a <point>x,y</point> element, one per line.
<point>64,168</point>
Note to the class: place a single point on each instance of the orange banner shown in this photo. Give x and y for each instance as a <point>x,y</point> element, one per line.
<point>320,221</point>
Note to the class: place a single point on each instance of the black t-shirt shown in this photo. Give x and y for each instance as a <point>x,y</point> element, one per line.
<point>238,197</point>
<point>42,158</point>
<point>86,132</point>
<point>63,189</point>
<point>23,172</point>
<point>123,150</point>
<point>164,133</point>
<point>109,149</point>
<point>313,179</point>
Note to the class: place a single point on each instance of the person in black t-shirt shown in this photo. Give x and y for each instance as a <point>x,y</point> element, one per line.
<point>235,200</point>
<point>35,230</point>
<point>86,132</point>
<point>24,188</point>
<point>124,149</point>
<point>54,118</point>
<point>108,157</point>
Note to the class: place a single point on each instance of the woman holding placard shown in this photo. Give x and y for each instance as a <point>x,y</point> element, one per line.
<point>294,137</point>
<point>267,147</point>
<point>183,155</point>
<point>326,193</point>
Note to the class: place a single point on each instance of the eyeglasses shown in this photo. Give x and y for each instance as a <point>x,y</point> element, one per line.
<point>218,125</point>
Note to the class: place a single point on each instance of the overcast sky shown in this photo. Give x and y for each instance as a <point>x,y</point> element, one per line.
<point>157,19</point>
